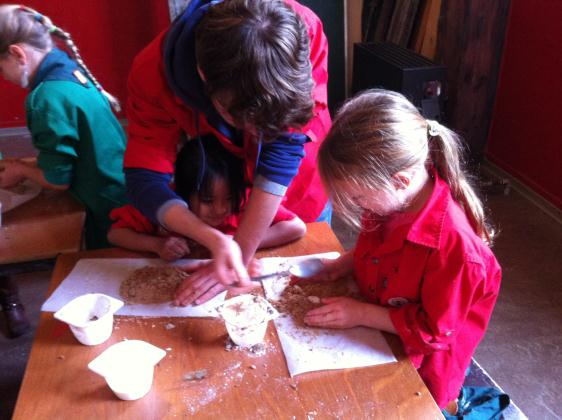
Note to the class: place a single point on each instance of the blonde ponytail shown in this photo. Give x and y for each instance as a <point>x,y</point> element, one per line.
<point>379,133</point>
<point>447,156</point>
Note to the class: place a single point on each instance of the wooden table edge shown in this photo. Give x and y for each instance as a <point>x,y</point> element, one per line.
<point>66,262</point>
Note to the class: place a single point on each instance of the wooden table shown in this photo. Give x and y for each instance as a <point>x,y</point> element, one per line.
<point>58,384</point>
<point>42,228</point>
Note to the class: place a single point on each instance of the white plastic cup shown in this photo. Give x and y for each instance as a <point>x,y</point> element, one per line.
<point>131,384</point>
<point>90,317</point>
<point>246,336</point>
<point>246,317</point>
<point>128,367</point>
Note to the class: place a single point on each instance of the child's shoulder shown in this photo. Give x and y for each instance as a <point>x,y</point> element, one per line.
<point>55,89</point>
<point>459,240</point>
<point>53,96</point>
<point>445,225</point>
<point>147,71</point>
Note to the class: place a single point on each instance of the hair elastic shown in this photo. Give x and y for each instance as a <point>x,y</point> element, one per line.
<point>202,156</point>
<point>36,15</point>
<point>433,128</point>
<point>203,165</point>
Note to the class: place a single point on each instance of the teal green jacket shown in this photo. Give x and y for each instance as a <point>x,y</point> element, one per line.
<point>79,139</point>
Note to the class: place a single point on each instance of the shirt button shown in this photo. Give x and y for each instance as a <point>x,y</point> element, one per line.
<point>397,302</point>
<point>371,289</point>
<point>375,260</point>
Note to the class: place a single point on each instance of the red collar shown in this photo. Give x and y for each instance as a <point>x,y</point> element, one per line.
<point>427,228</point>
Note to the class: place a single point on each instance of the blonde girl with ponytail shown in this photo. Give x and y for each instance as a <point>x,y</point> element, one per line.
<point>80,141</point>
<point>422,260</point>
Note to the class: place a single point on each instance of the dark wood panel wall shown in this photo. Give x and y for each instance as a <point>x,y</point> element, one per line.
<point>470,43</point>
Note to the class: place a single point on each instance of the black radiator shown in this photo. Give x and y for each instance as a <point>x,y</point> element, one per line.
<point>389,66</point>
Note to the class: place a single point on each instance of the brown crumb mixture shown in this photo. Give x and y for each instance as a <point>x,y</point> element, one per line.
<point>196,375</point>
<point>152,284</point>
<point>297,299</point>
<point>256,350</point>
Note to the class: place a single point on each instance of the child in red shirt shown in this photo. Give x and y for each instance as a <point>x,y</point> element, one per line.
<point>422,260</point>
<point>211,182</point>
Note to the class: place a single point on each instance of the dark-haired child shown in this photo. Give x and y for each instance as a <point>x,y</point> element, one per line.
<point>254,74</point>
<point>211,181</point>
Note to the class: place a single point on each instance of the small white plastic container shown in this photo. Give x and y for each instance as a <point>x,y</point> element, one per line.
<point>128,367</point>
<point>90,317</point>
<point>246,317</point>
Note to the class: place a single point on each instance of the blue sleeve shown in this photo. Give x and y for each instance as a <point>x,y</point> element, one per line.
<point>149,191</point>
<point>279,162</point>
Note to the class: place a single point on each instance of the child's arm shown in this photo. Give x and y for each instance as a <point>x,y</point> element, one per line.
<point>14,171</point>
<point>283,232</point>
<point>346,312</point>
<point>168,248</point>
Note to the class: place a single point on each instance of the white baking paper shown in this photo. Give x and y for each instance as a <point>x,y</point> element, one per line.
<point>325,348</point>
<point>104,275</point>
<point>15,196</point>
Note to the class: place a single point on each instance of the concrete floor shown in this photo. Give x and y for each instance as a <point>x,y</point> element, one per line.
<point>15,352</point>
<point>521,351</point>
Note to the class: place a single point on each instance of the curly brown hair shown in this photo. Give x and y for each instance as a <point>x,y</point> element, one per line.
<point>256,53</point>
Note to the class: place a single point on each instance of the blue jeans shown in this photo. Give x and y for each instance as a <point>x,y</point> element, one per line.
<point>326,215</point>
<point>479,403</point>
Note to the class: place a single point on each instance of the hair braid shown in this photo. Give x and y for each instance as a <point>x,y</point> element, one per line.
<point>69,42</point>
<point>446,152</point>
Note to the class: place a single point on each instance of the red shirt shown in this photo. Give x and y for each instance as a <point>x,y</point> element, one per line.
<point>157,118</point>
<point>129,217</point>
<point>442,281</point>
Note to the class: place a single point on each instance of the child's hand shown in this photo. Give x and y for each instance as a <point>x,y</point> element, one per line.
<point>199,287</point>
<point>254,267</point>
<point>172,248</point>
<point>228,267</point>
<point>337,312</point>
<point>10,173</point>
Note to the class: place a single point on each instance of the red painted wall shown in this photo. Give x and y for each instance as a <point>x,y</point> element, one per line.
<point>109,33</point>
<point>526,132</point>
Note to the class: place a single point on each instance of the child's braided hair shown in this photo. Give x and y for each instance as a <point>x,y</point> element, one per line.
<point>22,24</point>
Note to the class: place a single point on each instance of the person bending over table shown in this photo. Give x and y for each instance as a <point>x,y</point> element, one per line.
<point>253,73</point>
